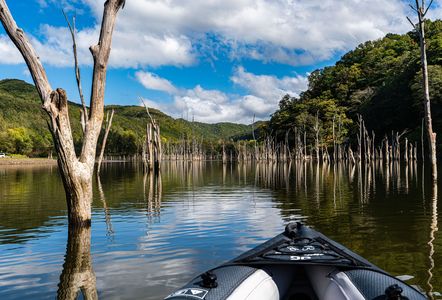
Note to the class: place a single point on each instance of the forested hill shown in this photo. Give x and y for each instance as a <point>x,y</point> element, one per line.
<point>381,80</point>
<point>23,127</point>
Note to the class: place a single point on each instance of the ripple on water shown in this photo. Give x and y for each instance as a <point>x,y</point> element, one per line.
<point>143,248</point>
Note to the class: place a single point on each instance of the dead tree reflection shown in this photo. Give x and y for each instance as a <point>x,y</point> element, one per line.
<point>153,190</point>
<point>274,175</point>
<point>78,274</point>
<point>433,231</point>
<point>406,178</point>
<point>107,215</point>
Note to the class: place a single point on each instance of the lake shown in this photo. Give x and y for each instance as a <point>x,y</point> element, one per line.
<point>151,235</point>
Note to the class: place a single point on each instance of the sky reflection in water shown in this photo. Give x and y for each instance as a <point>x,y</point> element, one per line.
<point>150,236</point>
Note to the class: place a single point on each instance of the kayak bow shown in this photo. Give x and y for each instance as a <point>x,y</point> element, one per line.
<point>302,264</point>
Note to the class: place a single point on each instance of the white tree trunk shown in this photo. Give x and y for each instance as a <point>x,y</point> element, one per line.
<point>421,11</point>
<point>103,145</point>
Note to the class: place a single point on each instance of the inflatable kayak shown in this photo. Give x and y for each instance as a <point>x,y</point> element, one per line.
<point>298,264</point>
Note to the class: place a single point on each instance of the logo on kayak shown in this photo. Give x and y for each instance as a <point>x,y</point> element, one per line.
<point>296,249</point>
<point>307,257</point>
<point>191,293</point>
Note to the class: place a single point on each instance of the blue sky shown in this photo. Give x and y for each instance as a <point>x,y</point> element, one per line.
<point>215,61</point>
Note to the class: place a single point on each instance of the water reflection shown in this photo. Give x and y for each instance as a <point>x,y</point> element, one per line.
<point>153,190</point>
<point>107,214</point>
<point>433,230</point>
<point>195,215</point>
<point>78,274</point>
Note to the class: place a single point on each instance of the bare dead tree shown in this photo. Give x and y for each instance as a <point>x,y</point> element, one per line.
<point>153,143</point>
<point>406,151</point>
<point>316,130</point>
<point>107,127</point>
<point>421,10</point>
<point>76,171</point>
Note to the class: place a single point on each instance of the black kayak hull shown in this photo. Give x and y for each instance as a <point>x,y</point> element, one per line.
<point>299,263</point>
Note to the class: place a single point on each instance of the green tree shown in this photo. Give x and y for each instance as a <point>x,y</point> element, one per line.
<point>19,141</point>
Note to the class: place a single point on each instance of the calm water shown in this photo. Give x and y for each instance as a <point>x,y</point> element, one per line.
<point>150,236</point>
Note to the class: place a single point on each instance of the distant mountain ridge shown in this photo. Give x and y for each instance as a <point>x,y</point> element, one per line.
<point>23,127</point>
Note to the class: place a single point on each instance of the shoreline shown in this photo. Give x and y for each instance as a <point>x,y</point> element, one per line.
<point>27,161</point>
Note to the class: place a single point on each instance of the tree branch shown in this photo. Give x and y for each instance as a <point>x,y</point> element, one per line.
<point>413,25</point>
<point>428,7</point>
<point>77,68</point>
<point>413,8</point>
<point>405,131</point>
<point>100,53</point>
<point>147,110</point>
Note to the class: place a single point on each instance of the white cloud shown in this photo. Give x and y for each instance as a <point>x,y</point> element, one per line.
<point>175,32</point>
<point>9,55</point>
<point>154,82</point>
<point>129,50</point>
<point>288,31</point>
<point>269,87</point>
<point>66,5</point>
<point>56,47</point>
<point>26,72</point>
<point>133,50</point>
<point>212,106</point>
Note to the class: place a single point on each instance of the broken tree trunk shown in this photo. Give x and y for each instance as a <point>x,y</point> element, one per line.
<point>76,172</point>
<point>153,144</point>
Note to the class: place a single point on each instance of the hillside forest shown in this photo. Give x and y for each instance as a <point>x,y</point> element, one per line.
<point>380,81</point>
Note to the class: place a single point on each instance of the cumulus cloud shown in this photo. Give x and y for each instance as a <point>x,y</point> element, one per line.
<point>288,31</point>
<point>9,55</point>
<point>56,46</point>
<point>263,93</point>
<point>129,49</point>
<point>174,32</point>
<point>269,87</point>
<point>134,49</point>
<point>154,82</point>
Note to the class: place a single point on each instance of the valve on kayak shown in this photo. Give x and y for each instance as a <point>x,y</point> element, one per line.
<point>292,228</point>
<point>209,280</point>
<point>394,292</point>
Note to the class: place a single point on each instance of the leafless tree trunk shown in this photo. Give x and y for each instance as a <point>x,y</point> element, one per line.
<point>360,137</point>
<point>422,140</point>
<point>316,129</point>
<point>76,172</point>
<point>334,140</point>
<point>406,151</point>
<point>421,11</point>
<point>350,155</point>
<point>153,143</point>
<point>103,145</point>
